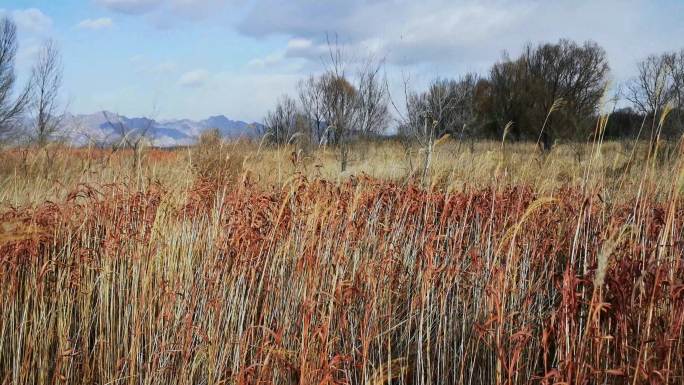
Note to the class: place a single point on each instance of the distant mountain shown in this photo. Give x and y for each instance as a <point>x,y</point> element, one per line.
<point>227,127</point>
<point>104,126</point>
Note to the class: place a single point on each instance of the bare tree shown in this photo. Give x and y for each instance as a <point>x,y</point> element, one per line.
<point>410,120</point>
<point>331,108</point>
<point>47,80</point>
<point>11,109</point>
<point>448,104</point>
<point>281,123</point>
<point>340,112</point>
<point>439,105</point>
<point>418,125</point>
<point>659,82</point>
<point>311,100</point>
<point>676,65</point>
<point>339,106</point>
<point>373,98</point>
<point>651,90</point>
<point>130,135</point>
<point>340,102</point>
<point>127,135</point>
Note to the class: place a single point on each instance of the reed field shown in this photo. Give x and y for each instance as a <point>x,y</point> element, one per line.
<point>243,263</point>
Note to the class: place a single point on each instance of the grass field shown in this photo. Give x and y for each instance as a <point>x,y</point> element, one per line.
<point>237,263</point>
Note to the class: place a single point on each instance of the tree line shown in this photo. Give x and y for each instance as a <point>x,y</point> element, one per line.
<point>332,108</point>
<point>29,113</point>
<point>550,92</point>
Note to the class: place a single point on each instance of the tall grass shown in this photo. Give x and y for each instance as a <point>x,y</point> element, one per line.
<point>509,277</point>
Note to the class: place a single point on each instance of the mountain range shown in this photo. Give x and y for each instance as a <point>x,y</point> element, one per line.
<point>104,127</point>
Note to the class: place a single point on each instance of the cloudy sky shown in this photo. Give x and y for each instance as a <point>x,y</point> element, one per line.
<point>194,58</point>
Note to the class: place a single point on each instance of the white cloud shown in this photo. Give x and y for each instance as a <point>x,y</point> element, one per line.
<point>137,60</point>
<point>299,43</point>
<point>420,39</point>
<point>130,6</point>
<point>96,24</point>
<point>30,20</point>
<point>164,67</point>
<point>265,62</point>
<point>196,9</point>
<point>406,32</point>
<point>276,61</point>
<point>431,38</point>
<point>239,95</point>
<point>148,66</point>
<point>194,79</point>
<point>33,27</point>
<point>161,10</point>
<point>305,48</point>
<point>28,53</point>
<point>451,37</point>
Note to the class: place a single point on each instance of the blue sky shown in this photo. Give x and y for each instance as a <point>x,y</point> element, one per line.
<point>195,58</point>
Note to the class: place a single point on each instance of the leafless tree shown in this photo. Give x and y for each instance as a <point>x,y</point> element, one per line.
<point>676,65</point>
<point>651,90</point>
<point>448,104</point>
<point>339,106</point>
<point>417,125</point>
<point>332,108</point>
<point>281,123</point>
<point>373,101</point>
<point>659,83</point>
<point>340,102</point>
<point>11,108</point>
<point>47,80</point>
<point>311,100</point>
<point>410,119</point>
<point>127,136</point>
<point>340,112</point>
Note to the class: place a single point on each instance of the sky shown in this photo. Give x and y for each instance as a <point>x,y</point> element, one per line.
<point>196,58</point>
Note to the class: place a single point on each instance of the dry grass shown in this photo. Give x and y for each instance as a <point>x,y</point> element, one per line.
<point>230,263</point>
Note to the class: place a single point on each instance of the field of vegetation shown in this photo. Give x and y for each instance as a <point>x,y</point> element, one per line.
<point>242,263</point>
<point>518,226</point>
